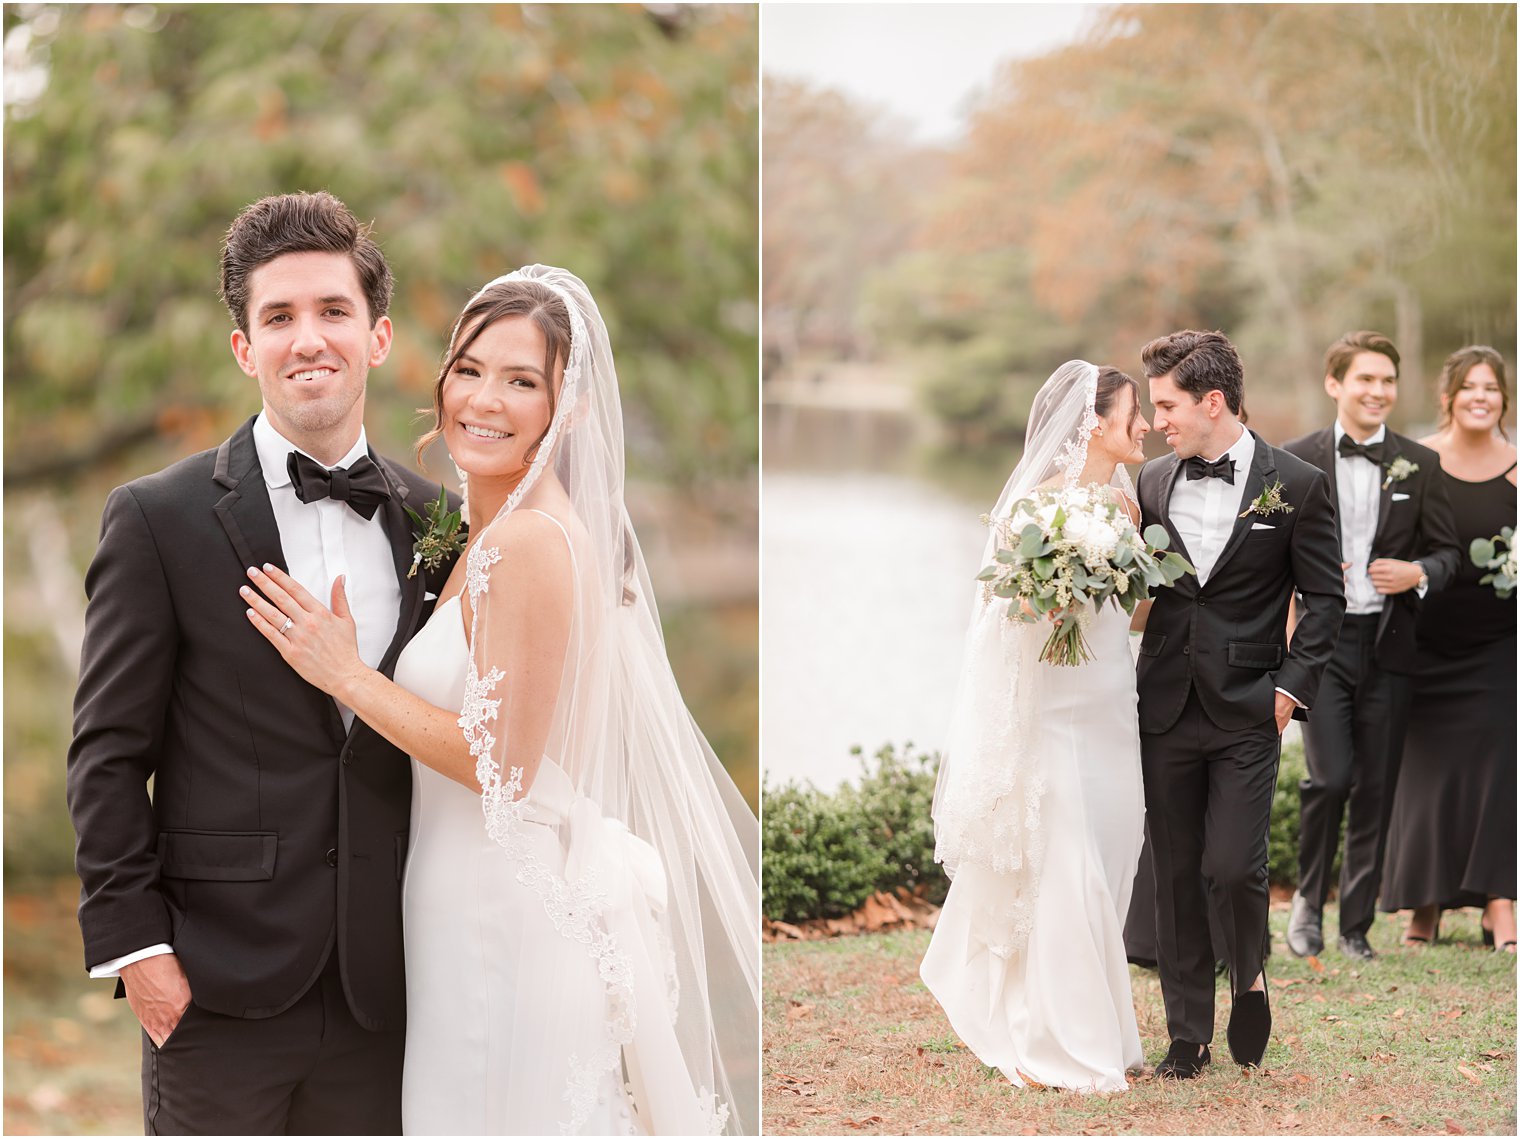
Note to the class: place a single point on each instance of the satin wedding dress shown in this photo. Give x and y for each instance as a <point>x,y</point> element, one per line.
<point>1039,808</point>
<point>1056,1010</point>
<point>499,1004</point>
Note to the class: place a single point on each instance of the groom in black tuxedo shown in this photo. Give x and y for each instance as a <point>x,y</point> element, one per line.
<point>1218,682</point>
<point>251,907</point>
<point>1398,540</point>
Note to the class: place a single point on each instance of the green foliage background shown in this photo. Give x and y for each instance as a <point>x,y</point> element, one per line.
<point>616,140</point>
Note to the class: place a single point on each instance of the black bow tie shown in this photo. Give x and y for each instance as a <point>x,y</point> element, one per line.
<point>1372,452</point>
<point>1222,468</point>
<point>362,485</point>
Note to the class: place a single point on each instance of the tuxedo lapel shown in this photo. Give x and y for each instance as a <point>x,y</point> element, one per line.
<point>244,511</point>
<point>1386,486</point>
<point>1263,470</point>
<point>1168,478</point>
<point>247,516</point>
<point>398,528</point>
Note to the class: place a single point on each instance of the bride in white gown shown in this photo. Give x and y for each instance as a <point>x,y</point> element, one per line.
<point>580,896</point>
<point>1039,808</point>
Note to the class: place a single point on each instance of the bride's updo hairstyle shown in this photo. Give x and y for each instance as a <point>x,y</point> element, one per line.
<point>1454,375</point>
<point>540,304</point>
<point>1111,382</point>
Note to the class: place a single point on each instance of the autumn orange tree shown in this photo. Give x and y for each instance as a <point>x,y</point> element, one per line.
<point>840,194</point>
<point>1284,172</point>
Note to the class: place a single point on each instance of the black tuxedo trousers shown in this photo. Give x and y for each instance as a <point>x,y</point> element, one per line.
<point>1208,793</point>
<point>1351,744</point>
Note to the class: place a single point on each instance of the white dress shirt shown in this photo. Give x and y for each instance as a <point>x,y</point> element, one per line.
<point>1204,510</point>
<point>321,540</point>
<point>1357,490</point>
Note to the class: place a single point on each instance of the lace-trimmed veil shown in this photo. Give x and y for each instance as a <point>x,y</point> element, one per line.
<point>990,785</point>
<point>660,887</point>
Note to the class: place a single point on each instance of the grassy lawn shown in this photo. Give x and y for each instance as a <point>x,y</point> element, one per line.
<point>1419,1040</point>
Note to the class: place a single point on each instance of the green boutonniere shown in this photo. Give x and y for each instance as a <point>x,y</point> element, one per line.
<point>438,535</point>
<point>1399,470</point>
<point>1269,501</point>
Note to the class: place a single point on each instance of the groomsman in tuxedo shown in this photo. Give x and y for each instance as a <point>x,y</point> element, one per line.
<point>1398,541</point>
<point>251,907</point>
<point>1218,681</point>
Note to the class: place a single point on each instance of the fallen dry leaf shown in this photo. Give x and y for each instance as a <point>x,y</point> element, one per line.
<point>866,1122</point>
<point>1471,1075</point>
<point>799,1011</point>
<point>1284,982</point>
<point>1398,1014</point>
<point>1452,1127</point>
<point>1494,1054</point>
<point>1451,1014</point>
<point>1315,964</point>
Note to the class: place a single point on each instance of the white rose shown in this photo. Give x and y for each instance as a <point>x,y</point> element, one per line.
<point>1077,526</point>
<point>1047,515</point>
<point>1101,541</point>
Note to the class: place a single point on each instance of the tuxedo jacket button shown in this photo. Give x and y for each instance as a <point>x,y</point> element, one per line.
<point>332,857</point>
<point>1186,649</point>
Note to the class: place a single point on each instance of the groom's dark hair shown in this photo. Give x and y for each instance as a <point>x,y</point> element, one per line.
<point>300,223</point>
<point>1200,362</point>
<point>1339,355</point>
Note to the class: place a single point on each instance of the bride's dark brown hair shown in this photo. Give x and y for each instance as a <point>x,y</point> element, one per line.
<point>1110,382</point>
<point>540,304</point>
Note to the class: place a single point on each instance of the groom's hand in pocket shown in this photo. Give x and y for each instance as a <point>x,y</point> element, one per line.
<point>1283,711</point>
<point>159,994</point>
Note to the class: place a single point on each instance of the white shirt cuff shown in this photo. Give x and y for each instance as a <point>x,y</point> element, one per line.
<point>114,967</point>
<point>1291,697</point>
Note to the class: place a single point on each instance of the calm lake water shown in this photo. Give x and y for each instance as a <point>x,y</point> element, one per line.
<point>867,577</point>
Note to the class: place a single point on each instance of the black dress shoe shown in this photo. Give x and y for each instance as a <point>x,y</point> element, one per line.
<point>1183,1061</point>
<point>1250,1026</point>
<point>1355,945</point>
<point>1305,938</point>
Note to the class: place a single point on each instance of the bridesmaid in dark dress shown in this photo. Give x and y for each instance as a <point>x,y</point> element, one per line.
<point>1451,841</point>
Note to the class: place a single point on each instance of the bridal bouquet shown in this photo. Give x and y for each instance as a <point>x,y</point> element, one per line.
<point>1497,555</point>
<point>1059,549</point>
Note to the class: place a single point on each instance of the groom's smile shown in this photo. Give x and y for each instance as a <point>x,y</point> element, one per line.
<point>310,345</point>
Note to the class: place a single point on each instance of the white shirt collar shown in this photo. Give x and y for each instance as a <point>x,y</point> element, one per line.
<point>1240,450</point>
<point>273,449</point>
<point>1375,437</point>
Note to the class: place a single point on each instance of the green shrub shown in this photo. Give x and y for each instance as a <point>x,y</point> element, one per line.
<point>819,860</point>
<point>895,799</point>
<point>824,854</point>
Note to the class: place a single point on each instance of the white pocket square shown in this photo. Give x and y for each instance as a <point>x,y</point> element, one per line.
<point>1400,497</point>
<point>426,596</point>
<point>1262,526</point>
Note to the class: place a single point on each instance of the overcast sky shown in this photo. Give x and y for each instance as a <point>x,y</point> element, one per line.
<point>920,61</point>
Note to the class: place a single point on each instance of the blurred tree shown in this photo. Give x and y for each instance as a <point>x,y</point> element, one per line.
<point>840,193</point>
<point>614,140</point>
<point>1285,172</point>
